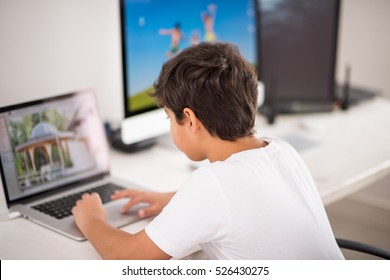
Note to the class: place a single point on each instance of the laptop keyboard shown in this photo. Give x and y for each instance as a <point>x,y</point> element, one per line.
<point>62,207</point>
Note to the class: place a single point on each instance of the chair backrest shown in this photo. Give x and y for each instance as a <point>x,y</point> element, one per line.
<point>363,247</point>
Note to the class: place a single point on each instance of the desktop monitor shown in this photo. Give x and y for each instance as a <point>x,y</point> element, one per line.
<point>154,31</point>
<point>297,54</point>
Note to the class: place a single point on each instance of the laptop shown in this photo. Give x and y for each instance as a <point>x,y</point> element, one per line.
<point>51,152</point>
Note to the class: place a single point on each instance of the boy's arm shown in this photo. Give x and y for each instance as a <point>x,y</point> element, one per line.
<point>113,243</point>
<point>110,242</point>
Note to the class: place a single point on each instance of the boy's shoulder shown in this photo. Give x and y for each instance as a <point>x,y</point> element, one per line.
<point>274,145</point>
<point>237,161</point>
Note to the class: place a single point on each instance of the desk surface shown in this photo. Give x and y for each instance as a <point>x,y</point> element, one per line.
<point>346,151</point>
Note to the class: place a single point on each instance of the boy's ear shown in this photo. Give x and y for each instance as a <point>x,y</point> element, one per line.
<point>191,120</point>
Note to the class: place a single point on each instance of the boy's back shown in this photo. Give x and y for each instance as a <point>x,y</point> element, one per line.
<point>257,204</point>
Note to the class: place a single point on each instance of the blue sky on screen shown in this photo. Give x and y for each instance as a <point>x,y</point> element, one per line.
<point>147,49</point>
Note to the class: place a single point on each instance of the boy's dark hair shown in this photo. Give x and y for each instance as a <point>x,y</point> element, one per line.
<point>217,83</point>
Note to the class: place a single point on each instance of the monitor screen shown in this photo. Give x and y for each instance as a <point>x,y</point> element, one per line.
<point>297,53</point>
<point>153,31</point>
<point>49,143</point>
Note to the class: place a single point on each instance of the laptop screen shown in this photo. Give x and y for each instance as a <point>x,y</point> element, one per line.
<point>50,143</point>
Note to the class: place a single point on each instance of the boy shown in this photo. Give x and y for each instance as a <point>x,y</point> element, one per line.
<point>256,199</point>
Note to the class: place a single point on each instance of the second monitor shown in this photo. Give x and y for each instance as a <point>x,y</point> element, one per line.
<point>154,31</point>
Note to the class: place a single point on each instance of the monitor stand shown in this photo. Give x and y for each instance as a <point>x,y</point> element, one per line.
<point>116,142</point>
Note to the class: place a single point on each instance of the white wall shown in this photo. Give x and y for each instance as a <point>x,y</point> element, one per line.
<point>49,47</point>
<point>55,46</point>
<point>364,43</point>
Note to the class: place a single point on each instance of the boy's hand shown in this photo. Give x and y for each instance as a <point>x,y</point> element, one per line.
<point>88,209</point>
<point>156,201</point>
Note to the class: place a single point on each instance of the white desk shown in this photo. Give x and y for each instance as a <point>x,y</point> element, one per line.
<point>352,151</point>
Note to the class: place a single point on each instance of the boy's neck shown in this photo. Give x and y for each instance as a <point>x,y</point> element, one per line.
<point>220,150</point>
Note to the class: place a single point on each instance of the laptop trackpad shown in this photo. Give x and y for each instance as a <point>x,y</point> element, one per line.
<point>116,218</point>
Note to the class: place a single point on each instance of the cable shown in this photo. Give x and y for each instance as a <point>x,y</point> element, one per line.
<point>9,216</point>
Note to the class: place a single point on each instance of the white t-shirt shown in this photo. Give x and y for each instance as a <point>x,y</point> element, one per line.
<point>257,204</point>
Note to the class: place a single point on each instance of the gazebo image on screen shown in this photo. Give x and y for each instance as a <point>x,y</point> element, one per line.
<point>49,145</point>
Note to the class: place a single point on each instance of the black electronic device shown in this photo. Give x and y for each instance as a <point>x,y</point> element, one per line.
<point>297,55</point>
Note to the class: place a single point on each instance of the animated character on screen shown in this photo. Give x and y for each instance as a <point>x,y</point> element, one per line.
<point>194,38</point>
<point>208,19</point>
<point>176,36</point>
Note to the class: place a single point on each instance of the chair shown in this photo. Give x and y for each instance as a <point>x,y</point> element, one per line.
<point>363,247</point>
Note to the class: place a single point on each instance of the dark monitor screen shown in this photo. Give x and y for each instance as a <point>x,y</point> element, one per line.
<point>297,49</point>
<point>155,30</point>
